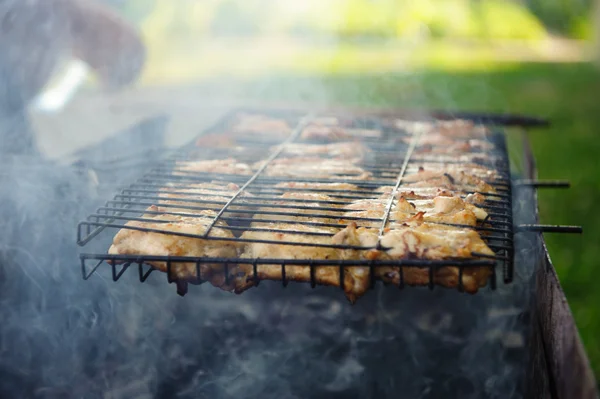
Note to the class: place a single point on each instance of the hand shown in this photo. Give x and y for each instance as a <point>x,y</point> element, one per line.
<point>106,42</point>
<point>36,34</point>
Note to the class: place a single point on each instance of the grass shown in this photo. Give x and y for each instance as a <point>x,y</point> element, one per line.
<point>566,93</point>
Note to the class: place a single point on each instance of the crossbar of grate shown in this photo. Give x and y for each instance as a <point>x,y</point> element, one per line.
<point>381,147</point>
<point>383,151</point>
<point>500,186</point>
<point>119,211</point>
<point>290,231</point>
<point>496,247</point>
<point>184,190</point>
<point>338,193</point>
<point>98,217</point>
<point>277,202</point>
<point>271,202</point>
<point>373,184</point>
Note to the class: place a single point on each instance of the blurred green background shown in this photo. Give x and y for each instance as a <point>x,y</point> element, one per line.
<point>531,56</point>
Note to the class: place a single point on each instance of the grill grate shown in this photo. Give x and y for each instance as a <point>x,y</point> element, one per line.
<point>391,156</point>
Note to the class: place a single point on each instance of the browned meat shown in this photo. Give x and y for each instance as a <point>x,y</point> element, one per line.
<point>440,209</point>
<point>451,181</point>
<point>135,242</point>
<point>348,150</point>
<point>315,168</point>
<point>261,124</point>
<point>323,132</point>
<point>356,279</point>
<point>194,198</point>
<point>316,212</point>
<point>341,187</point>
<point>220,166</point>
<point>424,241</point>
<point>479,171</point>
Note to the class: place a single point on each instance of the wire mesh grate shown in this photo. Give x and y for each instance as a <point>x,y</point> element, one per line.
<point>240,184</point>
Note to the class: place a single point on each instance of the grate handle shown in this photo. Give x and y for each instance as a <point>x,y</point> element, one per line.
<point>547,228</point>
<point>543,183</point>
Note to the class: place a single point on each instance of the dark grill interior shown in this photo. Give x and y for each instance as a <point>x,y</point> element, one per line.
<point>391,157</point>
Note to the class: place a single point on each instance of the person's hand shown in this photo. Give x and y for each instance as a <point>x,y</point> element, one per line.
<point>106,42</point>
<point>36,34</point>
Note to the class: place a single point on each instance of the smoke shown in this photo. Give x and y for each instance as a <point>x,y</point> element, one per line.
<point>61,337</point>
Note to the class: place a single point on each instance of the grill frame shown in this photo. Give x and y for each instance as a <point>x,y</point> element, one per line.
<point>120,263</point>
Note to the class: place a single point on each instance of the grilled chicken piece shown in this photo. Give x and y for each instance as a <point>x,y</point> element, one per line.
<point>219,166</point>
<point>322,132</point>
<point>461,128</point>
<point>457,128</point>
<point>315,210</point>
<point>412,127</point>
<point>415,193</point>
<point>425,155</point>
<point>441,209</point>
<point>135,242</point>
<point>451,181</point>
<point>447,137</point>
<point>315,168</point>
<point>446,144</point>
<point>356,279</point>
<point>463,147</point>
<point>420,193</point>
<point>261,124</point>
<point>475,199</point>
<point>336,187</point>
<point>422,241</point>
<point>352,150</point>
<point>195,198</point>
<point>480,171</point>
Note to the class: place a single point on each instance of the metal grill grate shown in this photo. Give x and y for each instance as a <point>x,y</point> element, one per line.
<point>392,155</point>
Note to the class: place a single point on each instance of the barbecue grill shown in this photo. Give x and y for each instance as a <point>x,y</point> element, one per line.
<point>388,160</point>
<point>553,349</point>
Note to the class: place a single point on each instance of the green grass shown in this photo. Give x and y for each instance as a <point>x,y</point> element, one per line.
<point>567,94</point>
